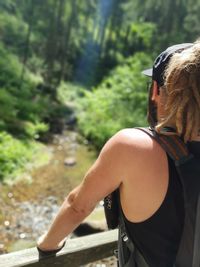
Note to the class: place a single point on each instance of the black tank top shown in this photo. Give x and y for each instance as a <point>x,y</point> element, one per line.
<point>158,237</point>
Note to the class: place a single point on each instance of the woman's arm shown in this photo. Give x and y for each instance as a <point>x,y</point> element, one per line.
<point>102,178</point>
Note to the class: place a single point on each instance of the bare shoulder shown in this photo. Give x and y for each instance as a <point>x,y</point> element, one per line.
<point>131,145</point>
<point>145,175</point>
<point>129,139</point>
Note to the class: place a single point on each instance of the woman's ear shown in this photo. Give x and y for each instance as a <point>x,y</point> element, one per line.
<point>155,92</point>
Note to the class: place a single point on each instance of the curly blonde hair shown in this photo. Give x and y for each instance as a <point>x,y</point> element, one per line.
<point>182,92</point>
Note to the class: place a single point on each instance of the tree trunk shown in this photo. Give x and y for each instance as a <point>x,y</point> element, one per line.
<point>27,43</point>
<point>66,40</point>
<point>51,46</point>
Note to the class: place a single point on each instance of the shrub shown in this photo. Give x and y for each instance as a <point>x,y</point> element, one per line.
<point>16,154</point>
<point>12,30</point>
<point>20,100</point>
<point>118,102</point>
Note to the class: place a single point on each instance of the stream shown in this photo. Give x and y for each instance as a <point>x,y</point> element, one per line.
<point>28,206</point>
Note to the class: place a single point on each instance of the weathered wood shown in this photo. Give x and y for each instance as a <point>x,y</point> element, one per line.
<point>76,252</point>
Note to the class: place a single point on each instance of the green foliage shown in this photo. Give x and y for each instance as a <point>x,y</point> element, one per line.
<point>176,21</point>
<point>8,5</point>
<point>20,101</point>
<point>68,93</point>
<point>35,64</point>
<point>10,69</point>
<point>7,111</point>
<point>13,29</point>
<point>143,33</point>
<point>192,20</point>
<point>118,102</point>
<point>15,155</point>
<point>33,130</point>
<point>63,38</point>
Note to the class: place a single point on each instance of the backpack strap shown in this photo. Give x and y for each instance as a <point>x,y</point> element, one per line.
<point>179,153</point>
<point>196,253</point>
<point>172,144</point>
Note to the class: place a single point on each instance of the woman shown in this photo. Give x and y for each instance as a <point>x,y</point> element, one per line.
<point>151,196</point>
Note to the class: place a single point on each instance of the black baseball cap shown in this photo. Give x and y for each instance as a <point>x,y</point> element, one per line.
<point>157,72</point>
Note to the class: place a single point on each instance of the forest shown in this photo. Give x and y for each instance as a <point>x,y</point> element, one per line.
<point>79,63</point>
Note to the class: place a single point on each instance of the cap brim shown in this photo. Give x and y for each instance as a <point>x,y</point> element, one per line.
<point>148,72</point>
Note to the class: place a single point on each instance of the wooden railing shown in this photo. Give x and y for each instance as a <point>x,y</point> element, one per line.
<point>77,252</point>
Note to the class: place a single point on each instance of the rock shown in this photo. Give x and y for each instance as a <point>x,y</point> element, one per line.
<point>70,161</point>
<point>52,200</point>
<point>90,227</point>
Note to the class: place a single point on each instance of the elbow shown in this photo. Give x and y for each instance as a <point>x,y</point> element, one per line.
<point>79,210</point>
<point>79,213</point>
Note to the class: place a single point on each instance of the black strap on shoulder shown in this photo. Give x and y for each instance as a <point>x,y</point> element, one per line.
<point>196,252</point>
<point>172,144</point>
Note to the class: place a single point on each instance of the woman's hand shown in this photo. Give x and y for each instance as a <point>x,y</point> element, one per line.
<point>45,248</point>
